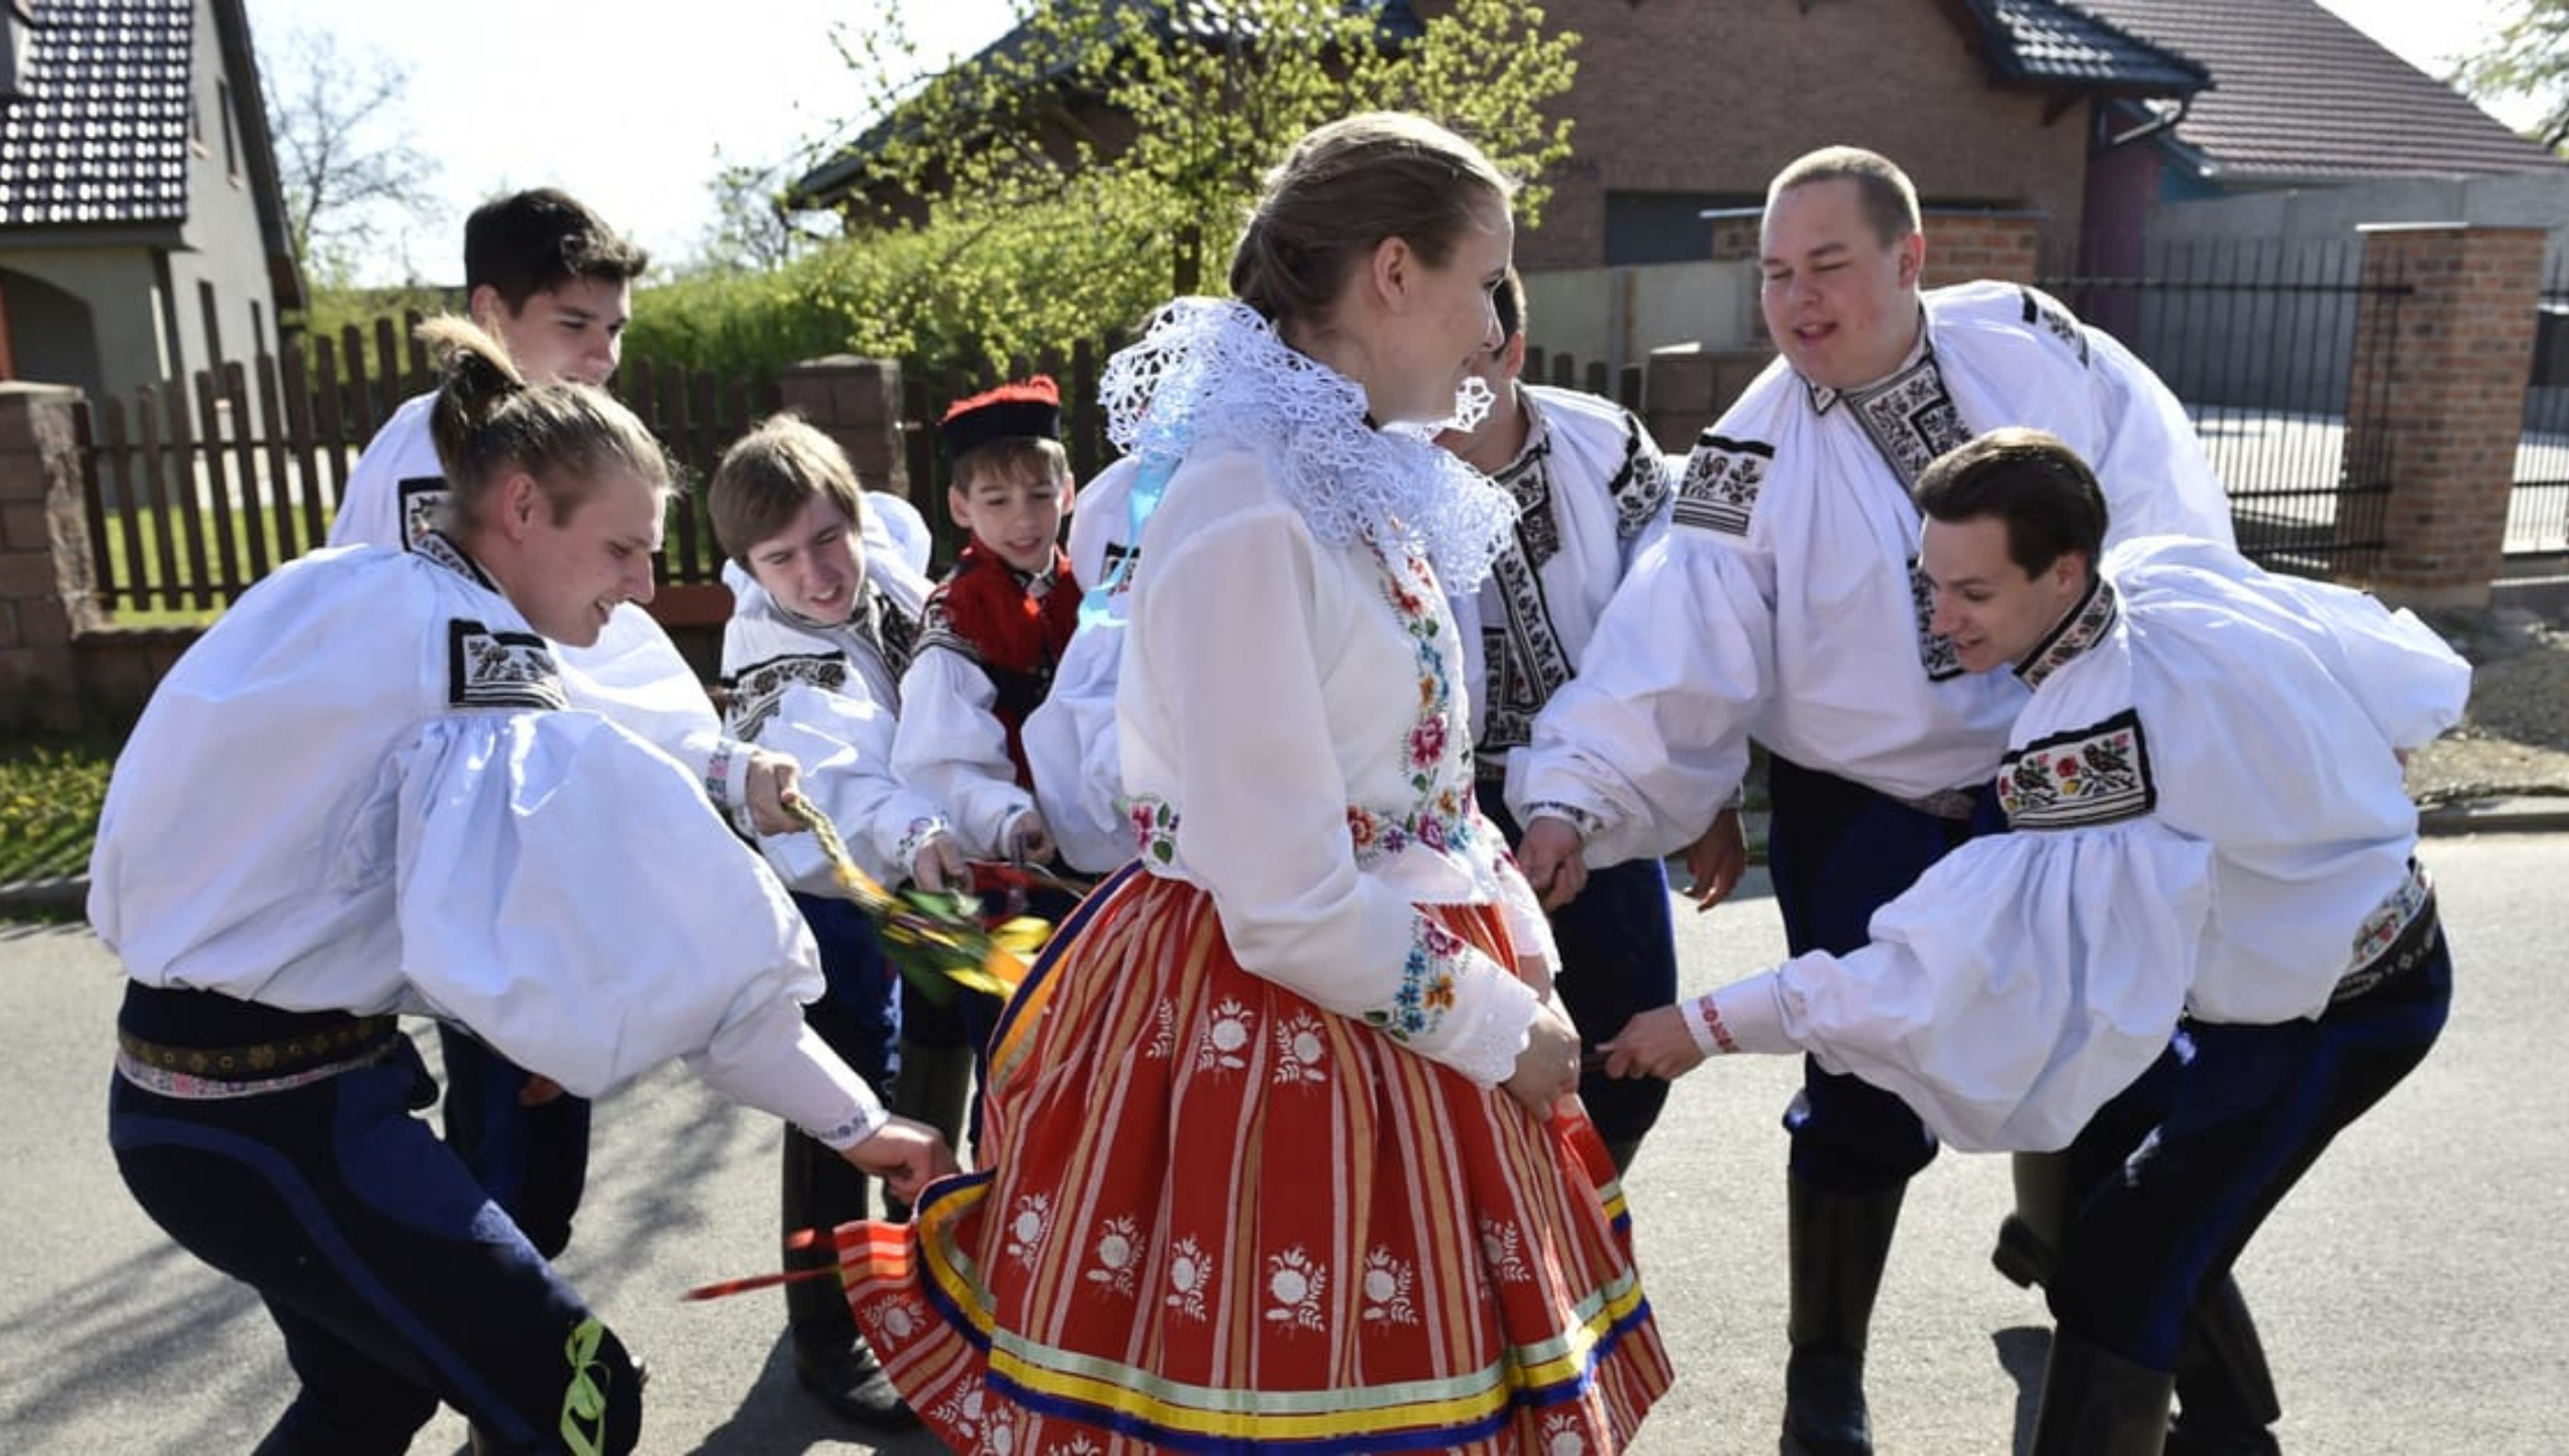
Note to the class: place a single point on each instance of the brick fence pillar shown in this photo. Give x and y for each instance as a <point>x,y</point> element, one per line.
<point>855,401</point>
<point>46,591</point>
<point>2436,403</point>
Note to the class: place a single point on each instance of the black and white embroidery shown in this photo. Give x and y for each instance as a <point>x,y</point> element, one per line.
<point>758,688</point>
<point>1934,649</point>
<point>894,632</point>
<point>2085,627</point>
<point>2049,315</point>
<point>435,547</point>
<point>1642,486</point>
<point>422,508</point>
<point>2081,777</point>
<point>937,629</point>
<point>1723,479</point>
<point>488,669</point>
<point>1910,418</point>
<point>1525,661</point>
<point>1529,480</point>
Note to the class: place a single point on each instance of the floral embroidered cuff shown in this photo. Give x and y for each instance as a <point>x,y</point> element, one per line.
<point>913,838</point>
<point>727,781</point>
<point>861,1123</point>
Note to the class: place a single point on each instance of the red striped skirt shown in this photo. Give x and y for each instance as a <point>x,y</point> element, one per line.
<point>1216,1218</point>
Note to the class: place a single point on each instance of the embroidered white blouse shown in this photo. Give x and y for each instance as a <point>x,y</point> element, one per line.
<point>1291,714</point>
<point>2206,813</point>
<point>360,792</point>
<point>1784,602</point>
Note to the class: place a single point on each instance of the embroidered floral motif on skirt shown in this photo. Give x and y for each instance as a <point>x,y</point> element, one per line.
<point>1216,1218</point>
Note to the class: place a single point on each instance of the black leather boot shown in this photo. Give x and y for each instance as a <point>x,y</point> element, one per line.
<point>2030,1239</point>
<point>831,1359</point>
<point>1838,1243</point>
<point>2096,1403</point>
<point>2225,1391</point>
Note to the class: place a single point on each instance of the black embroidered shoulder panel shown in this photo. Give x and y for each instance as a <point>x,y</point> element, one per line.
<point>758,688</point>
<point>422,509</point>
<point>2081,777</point>
<point>1644,485</point>
<point>1723,479</point>
<point>2040,311</point>
<point>488,669</point>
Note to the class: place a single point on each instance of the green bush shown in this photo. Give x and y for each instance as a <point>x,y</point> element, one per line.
<point>947,296</point>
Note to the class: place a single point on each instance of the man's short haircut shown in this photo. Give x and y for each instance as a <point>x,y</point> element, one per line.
<point>2031,479</point>
<point>1890,203</point>
<point>534,242</point>
<point>769,473</point>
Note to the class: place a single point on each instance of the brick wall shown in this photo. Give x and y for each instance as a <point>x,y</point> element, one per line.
<point>44,589</point>
<point>2436,405</point>
<point>1693,96</point>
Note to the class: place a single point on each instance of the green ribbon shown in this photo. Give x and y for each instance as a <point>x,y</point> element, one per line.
<point>584,1402</point>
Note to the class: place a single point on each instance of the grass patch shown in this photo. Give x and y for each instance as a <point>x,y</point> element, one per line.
<point>130,569</point>
<point>49,795</point>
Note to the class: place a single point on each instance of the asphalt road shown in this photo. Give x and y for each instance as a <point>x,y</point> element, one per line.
<point>2411,1289</point>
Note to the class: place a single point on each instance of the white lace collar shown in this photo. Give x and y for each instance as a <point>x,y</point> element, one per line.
<point>1211,371</point>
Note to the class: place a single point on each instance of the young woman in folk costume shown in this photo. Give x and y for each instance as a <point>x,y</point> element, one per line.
<point>1282,1143</point>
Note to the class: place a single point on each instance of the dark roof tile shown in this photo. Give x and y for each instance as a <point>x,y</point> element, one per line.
<point>100,133</point>
<point>2041,41</point>
<point>2297,93</point>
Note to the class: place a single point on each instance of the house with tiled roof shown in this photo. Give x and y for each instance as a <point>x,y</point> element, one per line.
<point>2309,129</point>
<point>143,231</point>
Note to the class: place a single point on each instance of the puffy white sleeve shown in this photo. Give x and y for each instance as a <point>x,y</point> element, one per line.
<point>951,747</point>
<point>1648,741</point>
<point>369,512</point>
<point>2409,681</point>
<point>2156,477</point>
<point>636,677</point>
<point>1070,749</point>
<point>2022,981</point>
<point>894,528</point>
<point>844,745</point>
<point>1237,641</point>
<point>565,892</point>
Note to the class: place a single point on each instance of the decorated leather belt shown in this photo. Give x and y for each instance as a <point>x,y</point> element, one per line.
<point>1948,803</point>
<point>195,1073</point>
<point>2397,937</point>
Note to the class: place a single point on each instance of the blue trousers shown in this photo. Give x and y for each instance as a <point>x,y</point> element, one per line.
<point>533,1161</point>
<point>2183,1167</point>
<point>1618,958</point>
<point>858,1013</point>
<point>395,1280</point>
<point>1837,852</point>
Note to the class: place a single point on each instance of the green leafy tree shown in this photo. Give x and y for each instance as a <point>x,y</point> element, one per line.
<point>2529,55</point>
<point>1058,186</point>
